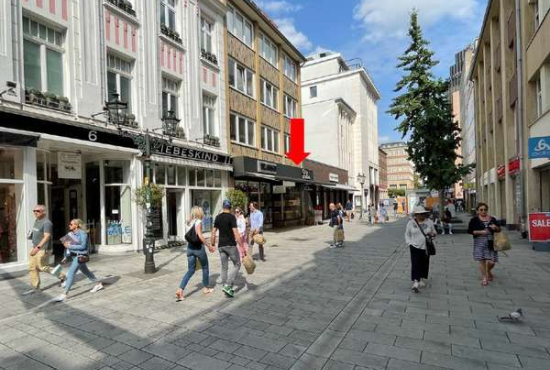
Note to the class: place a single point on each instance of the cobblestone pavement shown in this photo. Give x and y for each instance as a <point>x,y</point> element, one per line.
<point>307,307</point>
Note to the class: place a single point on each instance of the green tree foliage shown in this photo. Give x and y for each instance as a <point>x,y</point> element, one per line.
<point>238,199</point>
<point>394,193</point>
<point>426,116</point>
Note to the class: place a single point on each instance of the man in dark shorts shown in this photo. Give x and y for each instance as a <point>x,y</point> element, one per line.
<point>226,223</point>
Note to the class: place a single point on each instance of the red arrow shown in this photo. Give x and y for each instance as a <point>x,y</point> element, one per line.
<point>296,153</point>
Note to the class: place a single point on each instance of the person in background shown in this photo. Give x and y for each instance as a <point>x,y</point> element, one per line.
<point>395,206</point>
<point>229,238</point>
<point>78,249</point>
<point>41,236</point>
<point>336,222</point>
<point>482,227</point>
<point>349,209</point>
<point>383,214</point>
<point>372,214</point>
<point>451,207</point>
<point>241,226</point>
<point>256,227</point>
<point>195,252</point>
<point>415,239</point>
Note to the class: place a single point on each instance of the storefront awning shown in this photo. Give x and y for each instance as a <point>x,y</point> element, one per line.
<point>349,188</point>
<point>189,163</point>
<point>14,137</point>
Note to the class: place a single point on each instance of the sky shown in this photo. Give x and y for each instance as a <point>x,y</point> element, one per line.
<point>376,32</point>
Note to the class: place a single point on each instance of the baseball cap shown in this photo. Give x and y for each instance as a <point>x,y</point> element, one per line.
<point>226,204</point>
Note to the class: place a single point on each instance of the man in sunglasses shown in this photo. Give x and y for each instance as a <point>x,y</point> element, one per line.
<point>41,236</point>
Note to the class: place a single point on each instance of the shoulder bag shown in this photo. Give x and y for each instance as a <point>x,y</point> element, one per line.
<point>192,237</point>
<point>430,246</point>
<point>501,242</point>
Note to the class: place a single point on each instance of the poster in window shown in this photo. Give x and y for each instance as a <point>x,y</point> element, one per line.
<point>69,165</point>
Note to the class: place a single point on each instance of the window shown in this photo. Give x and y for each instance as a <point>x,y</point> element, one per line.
<point>269,95</point>
<point>241,78</point>
<point>270,139</point>
<point>170,95</point>
<point>206,35</point>
<point>287,143</point>
<point>269,50</point>
<point>289,68</point>
<point>313,92</point>
<point>119,77</point>
<point>168,14</point>
<point>240,27</point>
<point>539,97</point>
<point>290,107</point>
<point>241,130</point>
<point>209,115</point>
<point>43,57</point>
<point>118,202</point>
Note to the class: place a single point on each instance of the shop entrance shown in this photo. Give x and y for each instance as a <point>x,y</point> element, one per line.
<point>174,205</point>
<point>66,204</point>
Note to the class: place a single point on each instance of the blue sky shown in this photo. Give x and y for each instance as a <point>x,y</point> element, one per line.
<point>376,32</point>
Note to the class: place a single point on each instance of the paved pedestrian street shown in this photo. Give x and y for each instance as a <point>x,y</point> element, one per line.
<point>307,307</point>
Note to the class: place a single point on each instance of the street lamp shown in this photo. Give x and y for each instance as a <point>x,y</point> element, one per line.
<point>170,123</point>
<point>116,110</point>
<point>361,178</point>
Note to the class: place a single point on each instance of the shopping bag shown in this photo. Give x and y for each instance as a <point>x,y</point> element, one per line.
<point>259,239</point>
<point>249,265</point>
<point>340,235</point>
<point>501,242</point>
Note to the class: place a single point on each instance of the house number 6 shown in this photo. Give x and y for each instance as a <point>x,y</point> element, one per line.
<point>92,136</point>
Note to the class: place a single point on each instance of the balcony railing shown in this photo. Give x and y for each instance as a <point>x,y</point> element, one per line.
<point>168,32</point>
<point>47,100</point>
<point>124,5</point>
<point>209,56</point>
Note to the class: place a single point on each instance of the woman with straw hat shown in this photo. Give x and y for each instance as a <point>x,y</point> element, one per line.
<point>418,228</point>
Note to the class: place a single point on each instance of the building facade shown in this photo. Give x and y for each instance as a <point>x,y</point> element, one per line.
<point>339,106</point>
<point>400,168</point>
<point>62,62</point>
<point>263,94</point>
<point>383,163</point>
<point>456,74</point>
<point>512,105</point>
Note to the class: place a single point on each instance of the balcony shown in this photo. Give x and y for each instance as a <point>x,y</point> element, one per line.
<point>170,33</point>
<point>47,100</point>
<point>124,5</point>
<point>209,56</point>
<point>211,140</point>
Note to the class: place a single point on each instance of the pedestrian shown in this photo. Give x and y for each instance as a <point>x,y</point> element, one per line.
<point>383,214</point>
<point>451,207</point>
<point>241,226</point>
<point>41,236</point>
<point>229,237</point>
<point>372,214</point>
<point>78,248</point>
<point>336,223</point>
<point>256,227</point>
<point>395,206</point>
<point>196,252</point>
<point>482,227</point>
<point>447,225</point>
<point>349,209</point>
<point>415,238</point>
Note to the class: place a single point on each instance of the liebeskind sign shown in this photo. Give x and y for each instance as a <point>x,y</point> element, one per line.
<point>192,154</point>
<point>539,227</point>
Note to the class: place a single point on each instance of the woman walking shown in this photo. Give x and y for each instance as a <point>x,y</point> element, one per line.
<point>241,226</point>
<point>196,252</point>
<point>77,245</point>
<point>418,229</point>
<point>482,227</point>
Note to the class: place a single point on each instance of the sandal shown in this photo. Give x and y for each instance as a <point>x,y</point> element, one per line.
<point>179,296</point>
<point>484,282</point>
<point>490,277</point>
<point>207,290</point>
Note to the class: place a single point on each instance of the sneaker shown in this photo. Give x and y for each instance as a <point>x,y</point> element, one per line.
<point>60,298</point>
<point>421,284</point>
<point>63,284</point>
<point>228,291</point>
<point>30,291</point>
<point>415,287</point>
<point>450,233</point>
<point>96,288</point>
<point>332,246</point>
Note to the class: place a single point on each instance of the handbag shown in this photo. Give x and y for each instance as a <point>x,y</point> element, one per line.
<point>249,265</point>
<point>430,245</point>
<point>259,239</point>
<point>501,242</point>
<point>340,236</point>
<point>192,237</point>
<point>83,258</point>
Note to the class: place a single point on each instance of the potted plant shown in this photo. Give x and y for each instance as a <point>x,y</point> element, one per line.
<point>130,119</point>
<point>64,103</point>
<point>157,194</point>
<point>180,133</point>
<point>51,100</point>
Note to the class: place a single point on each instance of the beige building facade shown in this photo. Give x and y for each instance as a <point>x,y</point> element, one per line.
<point>511,75</point>
<point>400,170</point>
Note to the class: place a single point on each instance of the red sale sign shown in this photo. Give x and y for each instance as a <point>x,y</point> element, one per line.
<point>539,227</point>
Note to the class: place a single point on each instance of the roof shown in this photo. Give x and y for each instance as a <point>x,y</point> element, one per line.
<point>393,144</point>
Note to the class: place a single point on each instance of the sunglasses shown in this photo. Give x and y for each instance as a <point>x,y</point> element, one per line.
<point>37,210</point>
<point>483,209</point>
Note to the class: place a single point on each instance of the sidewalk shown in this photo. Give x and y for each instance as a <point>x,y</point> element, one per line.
<point>307,307</point>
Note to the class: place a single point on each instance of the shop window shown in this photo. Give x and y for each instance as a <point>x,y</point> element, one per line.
<point>170,95</point>
<point>289,68</point>
<point>11,162</point>
<point>241,130</point>
<point>269,95</point>
<point>241,78</point>
<point>93,206</point>
<point>240,27</point>
<point>192,177</point>
<point>43,177</point>
<point>43,57</point>
<point>217,179</point>
<point>200,177</point>
<point>171,175</point>
<point>168,14</point>
<point>119,77</point>
<point>118,202</point>
<point>8,222</point>
<point>269,51</point>
<point>160,174</point>
<point>181,176</point>
<point>209,178</point>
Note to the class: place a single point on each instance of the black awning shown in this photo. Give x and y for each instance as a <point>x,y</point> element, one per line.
<point>11,138</point>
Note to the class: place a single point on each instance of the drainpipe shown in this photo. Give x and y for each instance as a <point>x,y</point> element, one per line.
<point>519,127</point>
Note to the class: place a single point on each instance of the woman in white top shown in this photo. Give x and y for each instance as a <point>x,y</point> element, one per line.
<point>420,260</point>
<point>241,227</point>
<point>196,252</point>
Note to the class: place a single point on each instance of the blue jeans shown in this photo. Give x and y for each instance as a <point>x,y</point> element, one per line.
<point>192,255</point>
<point>75,266</point>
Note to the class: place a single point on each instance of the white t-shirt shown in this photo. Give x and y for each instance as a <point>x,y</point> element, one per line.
<point>413,235</point>
<point>241,225</point>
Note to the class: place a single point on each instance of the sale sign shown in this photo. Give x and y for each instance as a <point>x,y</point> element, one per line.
<point>539,227</point>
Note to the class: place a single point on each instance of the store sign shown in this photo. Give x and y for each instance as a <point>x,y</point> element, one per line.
<point>69,165</point>
<point>289,184</point>
<point>501,172</point>
<point>513,166</point>
<point>279,189</point>
<point>333,177</point>
<point>266,167</point>
<point>539,147</point>
<point>192,154</point>
<point>306,174</point>
<point>539,227</point>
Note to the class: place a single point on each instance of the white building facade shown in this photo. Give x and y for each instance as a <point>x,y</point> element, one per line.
<point>61,61</point>
<point>341,119</point>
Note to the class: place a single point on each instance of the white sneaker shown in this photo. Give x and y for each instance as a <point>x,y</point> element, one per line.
<point>60,298</point>
<point>421,284</point>
<point>415,287</point>
<point>450,233</point>
<point>63,283</point>
<point>30,291</point>
<point>332,246</point>
<point>96,288</point>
